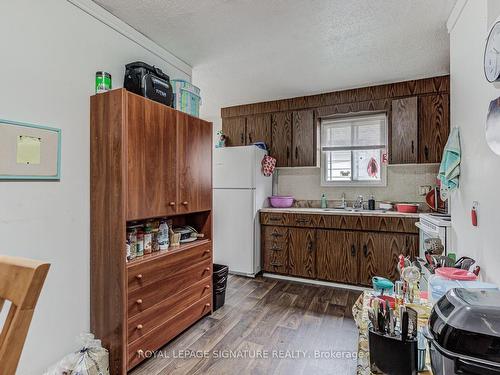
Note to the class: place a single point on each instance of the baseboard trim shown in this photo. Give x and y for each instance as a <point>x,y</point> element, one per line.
<point>315,282</point>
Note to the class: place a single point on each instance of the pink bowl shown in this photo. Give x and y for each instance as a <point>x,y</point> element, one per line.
<point>277,201</point>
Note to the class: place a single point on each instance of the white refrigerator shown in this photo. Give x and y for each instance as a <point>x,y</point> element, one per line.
<point>240,190</point>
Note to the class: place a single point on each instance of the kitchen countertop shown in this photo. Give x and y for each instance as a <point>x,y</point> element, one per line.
<point>322,211</point>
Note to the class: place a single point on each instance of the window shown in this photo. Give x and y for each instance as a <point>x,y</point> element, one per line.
<point>353,149</point>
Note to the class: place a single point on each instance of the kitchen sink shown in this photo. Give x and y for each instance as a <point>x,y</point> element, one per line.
<point>350,209</point>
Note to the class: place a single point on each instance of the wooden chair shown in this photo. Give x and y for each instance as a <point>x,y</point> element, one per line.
<point>21,281</point>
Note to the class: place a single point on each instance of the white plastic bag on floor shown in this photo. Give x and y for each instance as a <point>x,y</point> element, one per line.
<point>91,359</point>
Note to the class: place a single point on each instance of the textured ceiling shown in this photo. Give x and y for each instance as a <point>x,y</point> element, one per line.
<point>252,50</point>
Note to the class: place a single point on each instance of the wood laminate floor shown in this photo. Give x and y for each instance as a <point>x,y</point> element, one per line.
<point>267,326</point>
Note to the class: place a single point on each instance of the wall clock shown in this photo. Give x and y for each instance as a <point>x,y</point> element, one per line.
<point>492,54</point>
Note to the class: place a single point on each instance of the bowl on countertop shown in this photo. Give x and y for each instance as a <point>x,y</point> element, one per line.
<point>408,208</point>
<point>278,201</point>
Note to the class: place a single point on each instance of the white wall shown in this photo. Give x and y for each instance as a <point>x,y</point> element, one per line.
<point>50,53</point>
<point>480,178</point>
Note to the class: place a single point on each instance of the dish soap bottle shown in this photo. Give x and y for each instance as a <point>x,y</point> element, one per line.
<point>324,202</point>
<point>371,203</point>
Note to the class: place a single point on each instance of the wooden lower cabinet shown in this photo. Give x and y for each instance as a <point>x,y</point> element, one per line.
<point>379,254</point>
<point>301,252</point>
<point>337,256</point>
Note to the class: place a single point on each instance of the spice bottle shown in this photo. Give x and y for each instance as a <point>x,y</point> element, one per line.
<point>163,235</point>
<point>148,238</point>
<point>140,242</point>
<point>132,242</point>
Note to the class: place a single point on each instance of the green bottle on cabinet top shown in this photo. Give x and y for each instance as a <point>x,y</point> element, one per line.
<point>324,202</point>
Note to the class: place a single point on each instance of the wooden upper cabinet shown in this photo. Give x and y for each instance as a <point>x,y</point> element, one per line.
<point>151,164</point>
<point>234,129</point>
<point>301,252</point>
<point>258,129</point>
<point>281,138</point>
<point>194,143</point>
<point>337,256</point>
<point>404,139</point>
<point>434,112</point>
<point>303,139</point>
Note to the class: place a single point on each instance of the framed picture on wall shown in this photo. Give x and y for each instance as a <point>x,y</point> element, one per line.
<point>29,152</point>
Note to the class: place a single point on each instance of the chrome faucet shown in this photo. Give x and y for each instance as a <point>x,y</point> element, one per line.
<point>358,203</point>
<point>343,204</point>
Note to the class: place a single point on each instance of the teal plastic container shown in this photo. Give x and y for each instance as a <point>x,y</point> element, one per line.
<point>186,97</point>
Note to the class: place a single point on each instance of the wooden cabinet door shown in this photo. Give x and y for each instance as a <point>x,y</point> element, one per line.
<point>259,129</point>
<point>337,255</point>
<point>194,142</point>
<point>151,165</point>
<point>281,138</point>
<point>234,129</point>
<point>301,252</point>
<point>379,254</point>
<point>303,139</point>
<point>404,134</point>
<point>434,127</point>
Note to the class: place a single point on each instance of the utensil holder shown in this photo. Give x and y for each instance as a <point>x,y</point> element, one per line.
<point>389,355</point>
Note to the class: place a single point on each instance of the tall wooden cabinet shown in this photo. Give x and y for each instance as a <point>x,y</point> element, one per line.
<point>148,161</point>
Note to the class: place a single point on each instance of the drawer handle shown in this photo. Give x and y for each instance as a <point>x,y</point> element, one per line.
<point>139,301</point>
<point>171,204</point>
<point>139,326</point>
<point>353,250</point>
<point>302,221</point>
<point>185,203</point>
<point>276,264</point>
<point>139,276</point>
<point>274,248</point>
<point>276,235</point>
<point>365,250</point>
<point>275,219</point>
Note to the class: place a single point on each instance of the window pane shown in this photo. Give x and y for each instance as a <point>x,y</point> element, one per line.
<point>337,165</point>
<point>338,135</point>
<point>366,165</point>
<point>354,131</point>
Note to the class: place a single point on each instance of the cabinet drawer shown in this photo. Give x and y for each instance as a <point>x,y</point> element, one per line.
<point>142,323</point>
<point>159,268</point>
<point>159,336</point>
<point>141,299</point>
<point>271,218</point>
<point>275,234</point>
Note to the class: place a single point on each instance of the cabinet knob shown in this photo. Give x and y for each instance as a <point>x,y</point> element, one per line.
<point>139,301</point>
<point>207,251</point>
<point>207,305</point>
<point>139,276</point>
<point>139,326</point>
<point>185,203</point>
<point>207,286</point>
<point>171,204</point>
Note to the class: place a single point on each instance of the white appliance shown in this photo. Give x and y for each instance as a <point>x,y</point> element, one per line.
<point>434,225</point>
<point>240,191</point>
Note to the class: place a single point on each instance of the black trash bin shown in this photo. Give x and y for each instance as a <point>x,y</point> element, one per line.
<point>220,283</point>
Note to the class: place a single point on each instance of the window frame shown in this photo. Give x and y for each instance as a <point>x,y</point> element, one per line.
<point>354,183</point>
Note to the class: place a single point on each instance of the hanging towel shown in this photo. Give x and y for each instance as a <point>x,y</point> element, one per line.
<point>449,170</point>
